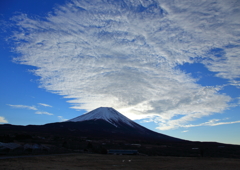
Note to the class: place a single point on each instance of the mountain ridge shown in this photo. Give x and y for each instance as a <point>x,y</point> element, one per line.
<point>103,122</point>
<point>106,131</point>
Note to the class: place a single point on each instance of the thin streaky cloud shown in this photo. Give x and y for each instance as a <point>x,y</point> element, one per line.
<point>184,131</point>
<point>213,122</point>
<point>43,104</point>
<point>123,54</point>
<point>43,113</point>
<point>23,107</point>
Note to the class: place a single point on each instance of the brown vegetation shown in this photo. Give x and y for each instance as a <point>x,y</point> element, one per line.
<point>98,161</point>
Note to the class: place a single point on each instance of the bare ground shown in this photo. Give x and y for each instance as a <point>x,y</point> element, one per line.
<point>97,161</point>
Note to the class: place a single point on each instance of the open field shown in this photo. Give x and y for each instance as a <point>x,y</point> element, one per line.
<point>97,161</point>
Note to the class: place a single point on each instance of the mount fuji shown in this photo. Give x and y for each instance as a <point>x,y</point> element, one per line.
<point>101,123</point>
<point>105,128</point>
<point>105,113</point>
<point>108,121</point>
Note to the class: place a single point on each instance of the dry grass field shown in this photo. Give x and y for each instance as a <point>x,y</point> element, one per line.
<point>97,161</point>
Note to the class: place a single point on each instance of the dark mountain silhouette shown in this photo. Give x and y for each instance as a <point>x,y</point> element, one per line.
<point>105,128</point>
<point>103,122</point>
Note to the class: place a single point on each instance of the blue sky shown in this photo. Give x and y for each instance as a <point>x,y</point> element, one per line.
<point>172,66</point>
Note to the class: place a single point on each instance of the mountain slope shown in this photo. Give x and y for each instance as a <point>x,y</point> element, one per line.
<point>103,122</point>
<point>121,125</point>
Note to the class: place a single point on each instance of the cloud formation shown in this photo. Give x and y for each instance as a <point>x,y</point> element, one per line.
<point>213,122</point>
<point>184,131</point>
<point>43,104</point>
<point>23,107</point>
<point>3,120</point>
<point>32,108</point>
<point>123,54</point>
<point>173,124</point>
<point>43,113</point>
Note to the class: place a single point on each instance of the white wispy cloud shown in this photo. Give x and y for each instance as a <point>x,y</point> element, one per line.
<point>3,120</point>
<point>124,54</point>
<point>173,124</point>
<point>184,131</point>
<point>213,122</point>
<point>214,27</point>
<point>62,119</point>
<point>32,108</point>
<point>43,113</point>
<point>43,104</point>
<point>23,106</point>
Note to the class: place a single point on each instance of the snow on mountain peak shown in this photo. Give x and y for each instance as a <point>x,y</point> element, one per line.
<point>105,113</point>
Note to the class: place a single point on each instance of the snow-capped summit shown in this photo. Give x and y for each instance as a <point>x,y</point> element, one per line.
<point>105,113</point>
